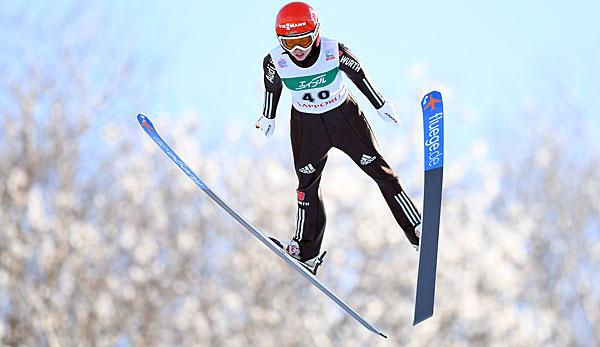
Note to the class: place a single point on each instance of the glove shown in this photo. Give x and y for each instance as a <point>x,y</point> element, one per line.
<point>388,114</point>
<point>266,125</point>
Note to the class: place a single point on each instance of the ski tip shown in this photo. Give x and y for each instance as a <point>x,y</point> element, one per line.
<point>145,123</point>
<point>433,92</point>
<point>382,334</point>
<point>435,95</point>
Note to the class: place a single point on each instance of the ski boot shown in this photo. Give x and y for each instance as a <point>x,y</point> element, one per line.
<point>293,248</point>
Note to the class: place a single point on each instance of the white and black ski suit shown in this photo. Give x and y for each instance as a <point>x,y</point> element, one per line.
<point>324,115</point>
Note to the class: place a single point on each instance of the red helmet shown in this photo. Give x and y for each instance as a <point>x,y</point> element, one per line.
<point>297,25</point>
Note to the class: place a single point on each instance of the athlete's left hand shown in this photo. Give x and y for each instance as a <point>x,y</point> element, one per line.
<point>388,113</point>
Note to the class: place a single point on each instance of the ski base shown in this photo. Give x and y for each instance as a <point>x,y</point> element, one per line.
<point>433,126</point>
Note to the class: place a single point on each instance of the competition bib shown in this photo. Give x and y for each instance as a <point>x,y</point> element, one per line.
<point>318,88</point>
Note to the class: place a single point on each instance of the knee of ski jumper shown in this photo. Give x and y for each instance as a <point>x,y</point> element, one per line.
<point>377,169</point>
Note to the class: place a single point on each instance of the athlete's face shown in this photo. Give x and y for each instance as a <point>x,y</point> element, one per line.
<point>299,54</point>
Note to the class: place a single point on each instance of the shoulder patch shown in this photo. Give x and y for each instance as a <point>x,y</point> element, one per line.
<point>349,62</point>
<point>329,55</point>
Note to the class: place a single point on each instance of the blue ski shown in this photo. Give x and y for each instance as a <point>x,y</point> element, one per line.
<point>151,131</point>
<point>433,131</point>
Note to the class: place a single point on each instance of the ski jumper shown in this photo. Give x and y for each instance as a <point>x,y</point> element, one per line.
<point>324,115</point>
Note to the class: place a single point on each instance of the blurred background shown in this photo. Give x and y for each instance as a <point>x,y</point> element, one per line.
<point>104,242</point>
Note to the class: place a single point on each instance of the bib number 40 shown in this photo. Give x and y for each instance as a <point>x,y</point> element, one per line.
<point>323,95</point>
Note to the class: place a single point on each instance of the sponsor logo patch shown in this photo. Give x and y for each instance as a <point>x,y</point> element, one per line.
<point>312,81</point>
<point>308,169</point>
<point>315,82</point>
<point>351,63</point>
<point>270,73</point>
<point>367,159</point>
<point>329,55</point>
<point>288,26</point>
<point>431,103</point>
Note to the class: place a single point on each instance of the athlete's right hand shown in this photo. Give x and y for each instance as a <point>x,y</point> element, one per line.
<point>266,125</point>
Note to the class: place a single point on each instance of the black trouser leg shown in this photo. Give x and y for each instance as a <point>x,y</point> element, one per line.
<point>354,136</point>
<point>310,144</point>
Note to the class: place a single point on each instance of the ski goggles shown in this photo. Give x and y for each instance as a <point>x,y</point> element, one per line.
<point>303,41</point>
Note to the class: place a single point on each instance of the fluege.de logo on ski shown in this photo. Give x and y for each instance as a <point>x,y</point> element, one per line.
<point>433,147</point>
<point>433,141</point>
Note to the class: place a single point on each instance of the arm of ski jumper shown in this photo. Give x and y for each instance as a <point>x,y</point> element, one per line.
<point>273,87</point>
<point>352,68</point>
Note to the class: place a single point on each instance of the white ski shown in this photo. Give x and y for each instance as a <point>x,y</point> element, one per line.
<point>151,131</point>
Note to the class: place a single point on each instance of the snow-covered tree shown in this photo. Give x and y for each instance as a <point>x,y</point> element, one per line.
<point>103,241</point>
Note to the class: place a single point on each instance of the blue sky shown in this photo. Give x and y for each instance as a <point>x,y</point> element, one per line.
<point>490,52</point>
<point>206,57</point>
